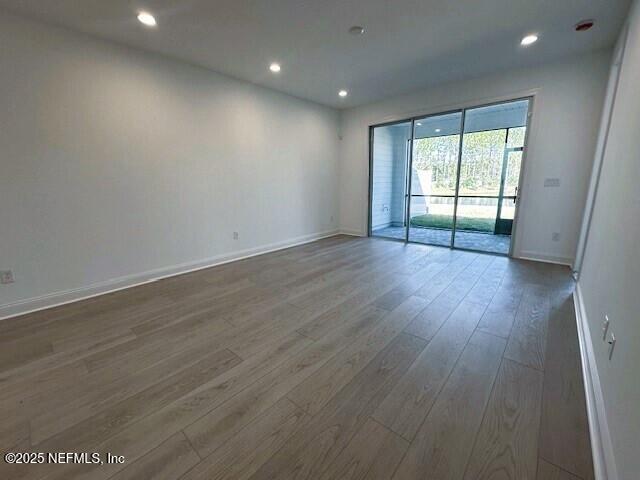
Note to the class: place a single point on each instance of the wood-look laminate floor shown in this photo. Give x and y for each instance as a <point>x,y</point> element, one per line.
<point>346,358</point>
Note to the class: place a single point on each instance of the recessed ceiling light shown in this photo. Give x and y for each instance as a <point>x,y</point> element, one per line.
<point>356,30</point>
<point>147,19</point>
<point>529,39</point>
<point>274,67</point>
<point>343,93</point>
<point>438,130</point>
<point>418,124</point>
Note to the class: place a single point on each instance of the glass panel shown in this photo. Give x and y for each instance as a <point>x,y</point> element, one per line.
<point>512,174</point>
<point>433,178</point>
<point>431,220</point>
<point>489,134</point>
<point>516,137</point>
<point>475,226</point>
<point>481,167</point>
<point>496,117</point>
<point>477,214</point>
<point>508,210</point>
<point>389,180</point>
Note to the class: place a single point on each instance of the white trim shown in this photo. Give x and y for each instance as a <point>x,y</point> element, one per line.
<point>602,449</point>
<point>543,257</point>
<point>353,233</point>
<point>55,299</point>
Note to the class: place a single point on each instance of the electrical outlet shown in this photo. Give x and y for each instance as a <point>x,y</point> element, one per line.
<point>6,277</point>
<point>555,236</point>
<point>236,235</point>
<point>612,344</point>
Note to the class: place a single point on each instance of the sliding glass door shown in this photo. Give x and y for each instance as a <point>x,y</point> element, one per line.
<point>449,179</point>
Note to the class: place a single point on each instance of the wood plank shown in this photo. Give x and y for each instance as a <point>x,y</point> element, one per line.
<point>489,283</point>
<point>252,446</point>
<point>24,350</point>
<point>97,393</point>
<point>507,444</point>
<point>564,429</point>
<point>430,290</point>
<point>212,430</point>
<point>140,437</point>
<point>463,283</point>
<point>527,342</point>
<point>149,349</point>
<point>63,359</point>
<point>86,316</point>
<point>427,323</point>
<point>411,400</point>
<point>408,287</point>
<point>501,312</point>
<point>114,418</point>
<point>196,332</point>
<point>548,471</point>
<point>373,453</point>
<point>316,391</point>
<point>168,461</point>
<point>445,439</point>
<point>460,287</point>
<point>22,389</point>
<point>316,446</point>
<point>274,324</point>
<point>14,431</point>
<point>349,283</point>
<point>333,318</point>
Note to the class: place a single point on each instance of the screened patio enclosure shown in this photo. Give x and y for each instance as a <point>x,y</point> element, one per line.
<point>449,179</point>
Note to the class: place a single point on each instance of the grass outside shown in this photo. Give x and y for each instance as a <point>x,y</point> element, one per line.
<point>446,221</point>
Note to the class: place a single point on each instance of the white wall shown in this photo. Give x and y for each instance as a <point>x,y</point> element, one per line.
<point>117,164</point>
<point>561,145</point>
<point>610,276</point>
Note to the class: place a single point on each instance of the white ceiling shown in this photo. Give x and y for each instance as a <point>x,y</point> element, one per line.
<point>408,44</point>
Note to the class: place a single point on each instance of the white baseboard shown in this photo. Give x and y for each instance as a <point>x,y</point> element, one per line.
<point>55,299</point>
<point>602,449</point>
<point>353,233</point>
<point>543,257</point>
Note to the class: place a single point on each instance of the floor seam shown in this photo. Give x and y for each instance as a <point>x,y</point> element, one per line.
<point>561,468</point>
<point>184,434</point>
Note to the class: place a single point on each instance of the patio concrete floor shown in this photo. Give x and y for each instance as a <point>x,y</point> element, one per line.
<point>484,242</point>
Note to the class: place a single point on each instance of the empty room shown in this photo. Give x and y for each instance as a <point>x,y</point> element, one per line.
<point>319,240</point>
